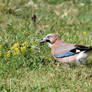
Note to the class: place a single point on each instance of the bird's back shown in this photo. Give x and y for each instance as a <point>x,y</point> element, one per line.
<point>61,47</point>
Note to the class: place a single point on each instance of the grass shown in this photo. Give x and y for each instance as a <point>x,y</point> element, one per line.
<point>33,70</point>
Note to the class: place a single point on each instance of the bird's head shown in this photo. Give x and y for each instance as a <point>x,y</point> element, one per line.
<point>50,39</point>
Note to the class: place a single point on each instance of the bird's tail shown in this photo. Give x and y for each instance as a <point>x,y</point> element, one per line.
<point>89,49</point>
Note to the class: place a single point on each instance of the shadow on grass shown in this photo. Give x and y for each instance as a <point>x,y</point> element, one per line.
<point>89,64</point>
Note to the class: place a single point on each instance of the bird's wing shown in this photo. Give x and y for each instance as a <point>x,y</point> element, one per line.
<point>83,48</point>
<point>69,50</point>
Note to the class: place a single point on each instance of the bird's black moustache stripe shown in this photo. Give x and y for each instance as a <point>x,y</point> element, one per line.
<point>48,41</point>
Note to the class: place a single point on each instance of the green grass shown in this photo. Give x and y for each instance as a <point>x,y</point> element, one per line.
<point>33,70</point>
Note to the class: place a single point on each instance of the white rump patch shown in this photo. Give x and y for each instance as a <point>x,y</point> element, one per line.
<point>82,57</point>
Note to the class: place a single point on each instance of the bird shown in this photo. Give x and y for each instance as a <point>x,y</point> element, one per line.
<point>67,53</point>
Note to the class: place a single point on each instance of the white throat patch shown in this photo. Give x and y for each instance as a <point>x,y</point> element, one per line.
<point>49,44</point>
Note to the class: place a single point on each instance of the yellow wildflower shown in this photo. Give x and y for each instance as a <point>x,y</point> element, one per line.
<point>85,33</point>
<point>15,46</point>
<point>0,53</point>
<point>8,53</point>
<point>0,46</point>
<point>24,43</point>
<point>23,49</point>
<point>31,48</point>
<point>33,43</point>
<point>16,51</point>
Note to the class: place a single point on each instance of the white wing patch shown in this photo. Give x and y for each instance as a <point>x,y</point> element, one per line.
<point>77,51</point>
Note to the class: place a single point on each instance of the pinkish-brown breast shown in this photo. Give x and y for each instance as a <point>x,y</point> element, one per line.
<point>55,45</point>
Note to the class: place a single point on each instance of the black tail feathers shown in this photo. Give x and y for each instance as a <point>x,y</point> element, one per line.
<point>89,49</point>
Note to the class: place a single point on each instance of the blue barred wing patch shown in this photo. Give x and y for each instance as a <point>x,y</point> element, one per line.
<point>67,54</point>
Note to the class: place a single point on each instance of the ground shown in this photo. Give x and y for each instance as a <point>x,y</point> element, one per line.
<point>27,66</point>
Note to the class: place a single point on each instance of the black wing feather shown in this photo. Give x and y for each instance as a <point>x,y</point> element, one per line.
<point>83,48</point>
<point>78,49</point>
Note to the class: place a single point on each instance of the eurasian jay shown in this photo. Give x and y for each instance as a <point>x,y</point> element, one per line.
<point>67,53</point>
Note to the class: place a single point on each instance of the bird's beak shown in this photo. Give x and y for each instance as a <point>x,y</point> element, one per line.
<point>42,41</point>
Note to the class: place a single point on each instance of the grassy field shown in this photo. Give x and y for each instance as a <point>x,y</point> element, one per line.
<point>27,66</point>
